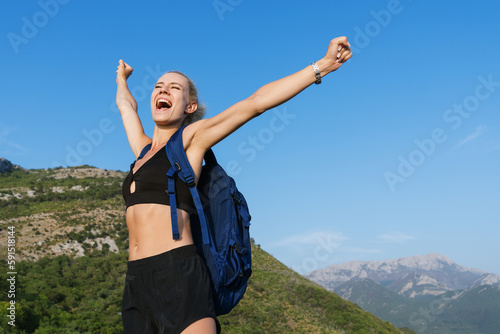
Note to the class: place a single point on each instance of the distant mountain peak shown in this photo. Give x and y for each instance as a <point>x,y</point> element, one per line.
<point>431,261</point>
<point>438,257</point>
<point>414,276</point>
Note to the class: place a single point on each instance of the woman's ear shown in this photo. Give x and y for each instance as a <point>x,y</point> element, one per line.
<point>191,107</point>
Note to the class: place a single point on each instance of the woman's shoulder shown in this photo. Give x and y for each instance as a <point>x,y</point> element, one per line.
<point>192,130</point>
<point>192,138</point>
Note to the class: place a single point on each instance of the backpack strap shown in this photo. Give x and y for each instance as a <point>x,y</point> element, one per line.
<point>182,168</point>
<point>144,151</point>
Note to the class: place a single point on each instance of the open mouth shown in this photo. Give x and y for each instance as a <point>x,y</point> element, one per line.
<point>163,104</point>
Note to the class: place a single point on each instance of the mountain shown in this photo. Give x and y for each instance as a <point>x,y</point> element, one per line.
<point>475,310</point>
<point>429,294</point>
<point>416,276</point>
<point>6,166</point>
<point>376,299</point>
<point>487,279</point>
<point>71,251</point>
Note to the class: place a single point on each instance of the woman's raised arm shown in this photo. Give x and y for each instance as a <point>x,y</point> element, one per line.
<point>208,132</point>
<point>128,110</point>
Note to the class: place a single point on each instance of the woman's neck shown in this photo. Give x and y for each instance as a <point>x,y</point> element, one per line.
<point>162,134</point>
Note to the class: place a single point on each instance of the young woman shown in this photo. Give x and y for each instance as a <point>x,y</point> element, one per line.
<point>167,288</point>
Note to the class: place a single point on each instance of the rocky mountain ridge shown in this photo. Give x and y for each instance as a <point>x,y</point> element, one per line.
<point>7,166</point>
<point>415,276</point>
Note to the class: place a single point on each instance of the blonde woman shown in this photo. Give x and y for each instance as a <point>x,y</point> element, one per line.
<point>167,288</point>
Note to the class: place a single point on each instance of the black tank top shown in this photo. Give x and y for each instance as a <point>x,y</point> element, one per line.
<point>151,184</point>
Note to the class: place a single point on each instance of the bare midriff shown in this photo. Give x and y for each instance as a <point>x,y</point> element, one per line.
<point>150,230</point>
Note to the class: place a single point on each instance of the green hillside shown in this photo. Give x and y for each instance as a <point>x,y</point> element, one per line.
<point>378,300</point>
<point>279,300</point>
<point>71,262</point>
<point>475,311</point>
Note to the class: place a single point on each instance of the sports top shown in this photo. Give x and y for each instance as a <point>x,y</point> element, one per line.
<point>151,184</point>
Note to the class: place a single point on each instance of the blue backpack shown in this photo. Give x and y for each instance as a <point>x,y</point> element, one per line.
<point>221,226</point>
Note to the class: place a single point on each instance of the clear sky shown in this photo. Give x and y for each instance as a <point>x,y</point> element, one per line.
<point>394,155</point>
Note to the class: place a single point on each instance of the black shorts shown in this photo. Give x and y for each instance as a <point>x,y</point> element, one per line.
<point>166,293</point>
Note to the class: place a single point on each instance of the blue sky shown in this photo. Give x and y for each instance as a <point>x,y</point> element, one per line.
<point>394,155</point>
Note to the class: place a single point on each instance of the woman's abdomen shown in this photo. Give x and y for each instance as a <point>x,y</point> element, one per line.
<point>150,230</point>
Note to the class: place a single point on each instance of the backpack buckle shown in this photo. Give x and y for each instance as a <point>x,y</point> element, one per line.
<point>237,247</point>
<point>190,182</point>
<point>236,198</point>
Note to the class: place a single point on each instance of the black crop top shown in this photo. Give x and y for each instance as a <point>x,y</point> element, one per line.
<point>151,183</point>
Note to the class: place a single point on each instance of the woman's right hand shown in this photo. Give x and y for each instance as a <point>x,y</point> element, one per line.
<point>124,70</point>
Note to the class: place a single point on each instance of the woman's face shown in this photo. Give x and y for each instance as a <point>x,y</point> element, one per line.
<point>169,100</point>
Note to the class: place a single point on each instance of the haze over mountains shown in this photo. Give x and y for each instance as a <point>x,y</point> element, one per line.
<point>428,293</point>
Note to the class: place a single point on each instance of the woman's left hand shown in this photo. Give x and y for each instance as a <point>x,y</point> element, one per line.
<point>339,51</point>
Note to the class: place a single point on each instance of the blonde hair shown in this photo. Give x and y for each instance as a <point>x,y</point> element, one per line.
<point>193,96</point>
